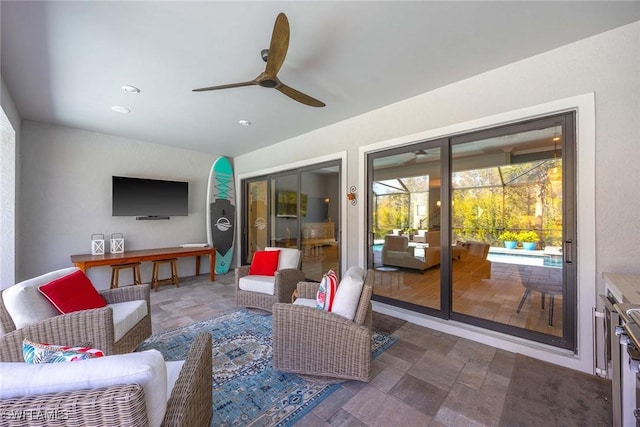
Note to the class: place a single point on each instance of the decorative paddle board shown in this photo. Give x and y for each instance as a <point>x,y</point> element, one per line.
<point>221,213</point>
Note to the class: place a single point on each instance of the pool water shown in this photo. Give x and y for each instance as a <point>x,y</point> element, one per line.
<point>536,258</point>
<point>514,256</point>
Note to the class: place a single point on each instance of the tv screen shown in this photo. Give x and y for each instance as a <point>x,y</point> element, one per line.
<point>149,197</point>
<point>287,206</point>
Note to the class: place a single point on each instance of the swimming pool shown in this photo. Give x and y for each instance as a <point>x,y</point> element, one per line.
<point>523,257</point>
<point>507,256</point>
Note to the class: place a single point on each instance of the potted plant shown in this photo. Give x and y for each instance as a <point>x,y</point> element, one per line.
<point>509,238</point>
<point>411,232</point>
<point>529,239</point>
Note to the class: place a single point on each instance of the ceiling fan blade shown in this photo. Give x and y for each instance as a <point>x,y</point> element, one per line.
<point>299,96</point>
<point>228,86</point>
<point>279,45</point>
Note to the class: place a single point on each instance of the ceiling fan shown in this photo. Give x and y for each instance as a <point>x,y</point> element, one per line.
<point>419,156</point>
<point>274,57</point>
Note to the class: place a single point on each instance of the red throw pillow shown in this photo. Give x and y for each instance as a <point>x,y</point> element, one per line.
<point>264,263</point>
<point>73,292</point>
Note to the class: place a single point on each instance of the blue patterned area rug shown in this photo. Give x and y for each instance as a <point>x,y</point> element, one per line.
<point>246,388</point>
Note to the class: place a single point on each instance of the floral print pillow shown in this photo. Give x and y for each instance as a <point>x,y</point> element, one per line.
<point>326,291</point>
<point>46,353</point>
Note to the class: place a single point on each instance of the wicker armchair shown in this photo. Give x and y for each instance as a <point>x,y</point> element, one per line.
<point>285,280</point>
<point>88,327</point>
<point>190,403</point>
<point>314,342</point>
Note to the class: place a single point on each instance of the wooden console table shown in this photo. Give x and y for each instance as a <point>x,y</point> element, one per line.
<point>87,261</point>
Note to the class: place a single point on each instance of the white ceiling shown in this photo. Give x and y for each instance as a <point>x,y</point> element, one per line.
<point>65,62</point>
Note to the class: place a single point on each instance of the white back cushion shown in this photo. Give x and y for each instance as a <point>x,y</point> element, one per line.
<point>347,297</point>
<point>355,272</point>
<point>146,368</point>
<point>26,305</point>
<point>289,257</point>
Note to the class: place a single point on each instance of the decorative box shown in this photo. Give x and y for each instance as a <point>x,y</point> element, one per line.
<point>97,244</point>
<point>117,243</point>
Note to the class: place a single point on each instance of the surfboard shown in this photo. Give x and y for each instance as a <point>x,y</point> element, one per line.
<point>221,213</point>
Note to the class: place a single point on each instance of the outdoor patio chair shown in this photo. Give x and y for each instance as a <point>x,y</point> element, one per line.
<point>117,390</point>
<point>119,327</point>
<point>474,264</point>
<point>314,342</point>
<point>262,291</point>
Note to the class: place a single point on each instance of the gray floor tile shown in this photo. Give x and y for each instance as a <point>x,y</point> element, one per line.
<point>472,352</point>
<point>437,369</point>
<point>421,395</point>
<point>376,408</point>
<point>406,350</point>
<point>333,403</point>
<point>312,420</point>
<point>386,379</point>
<point>471,404</point>
<point>502,363</point>
<point>391,360</point>
<point>473,374</point>
<point>344,419</point>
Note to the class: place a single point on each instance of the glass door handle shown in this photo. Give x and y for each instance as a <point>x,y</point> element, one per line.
<point>567,251</point>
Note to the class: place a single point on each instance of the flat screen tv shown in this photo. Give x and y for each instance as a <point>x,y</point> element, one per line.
<point>287,206</point>
<point>149,198</point>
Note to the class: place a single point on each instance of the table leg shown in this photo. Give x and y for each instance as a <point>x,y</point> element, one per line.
<point>197,265</point>
<point>212,266</point>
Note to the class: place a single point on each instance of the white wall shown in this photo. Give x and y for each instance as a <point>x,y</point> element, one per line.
<point>607,65</point>
<point>9,146</point>
<point>66,197</point>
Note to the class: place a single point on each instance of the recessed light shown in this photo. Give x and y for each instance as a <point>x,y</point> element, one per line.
<point>120,109</point>
<point>130,89</point>
<point>244,122</point>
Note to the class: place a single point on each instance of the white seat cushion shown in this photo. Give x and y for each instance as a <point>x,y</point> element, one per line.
<point>307,302</point>
<point>289,257</point>
<point>262,284</point>
<point>126,315</point>
<point>173,371</point>
<point>26,305</point>
<point>146,368</point>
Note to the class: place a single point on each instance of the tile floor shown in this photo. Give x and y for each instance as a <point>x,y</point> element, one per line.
<point>426,379</point>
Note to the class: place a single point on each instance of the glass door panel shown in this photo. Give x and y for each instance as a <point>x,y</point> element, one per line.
<point>507,219</point>
<point>257,217</point>
<point>404,225</point>
<point>285,211</point>
<point>319,209</point>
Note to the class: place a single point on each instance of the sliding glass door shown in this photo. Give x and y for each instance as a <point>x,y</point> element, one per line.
<point>405,223</point>
<point>295,209</point>
<point>479,227</point>
<point>256,221</point>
